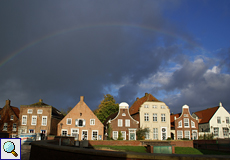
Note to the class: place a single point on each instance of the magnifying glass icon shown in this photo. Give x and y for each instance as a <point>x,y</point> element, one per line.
<point>9,147</point>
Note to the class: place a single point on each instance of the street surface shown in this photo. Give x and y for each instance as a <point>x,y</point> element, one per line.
<point>25,152</point>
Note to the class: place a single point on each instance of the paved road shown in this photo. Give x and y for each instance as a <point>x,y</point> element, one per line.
<point>25,152</point>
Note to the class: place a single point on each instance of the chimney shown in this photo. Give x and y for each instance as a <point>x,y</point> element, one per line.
<point>40,100</point>
<point>81,98</point>
<point>146,94</point>
<point>137,98</point>
<point>8,102</point>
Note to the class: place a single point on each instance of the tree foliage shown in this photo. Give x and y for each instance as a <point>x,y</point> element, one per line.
<point>141,133</point>
<point>107,107</point>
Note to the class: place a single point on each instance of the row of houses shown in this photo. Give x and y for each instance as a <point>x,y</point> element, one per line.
<point>146,112</point>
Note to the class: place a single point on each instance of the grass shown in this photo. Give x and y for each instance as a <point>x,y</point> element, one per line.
<point>140,149</point>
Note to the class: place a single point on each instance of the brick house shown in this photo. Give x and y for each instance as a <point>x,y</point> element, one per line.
<point>39,118</point>
<point>81,123</point>
<point>9,119</point>
<point>123,122</point>
<point>214,121</point>
<point>183,125</point>
<point>152,114</point>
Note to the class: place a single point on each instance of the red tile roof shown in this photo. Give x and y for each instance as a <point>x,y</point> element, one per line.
<point>205,115</point>
<point>172,118</point>
<point>137,104</point>
<point>16,111</point>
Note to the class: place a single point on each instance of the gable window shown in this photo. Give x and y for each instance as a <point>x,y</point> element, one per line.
<point>92,121</point>
<point>227,120</point>
<point>81,123</point>
<point>5,126</point>
<point>146,106</point>
<point>123,114</point>
<point>216,131</point>
<point>163,118</point>
<point>24,120</point>
<point>115,135</point>
<point>29,111</point>
<point>69,121</point>
<point>186,122</point>
<point>34,120</point>
<point>193,124</point>
<point>127,123</point>
<point>179,134</point>
<point>154,117</point>
<point>120,123</point>
<point>39,111</point>
<point>218,120</point>
<point>187,134</point>
<point>155,133</point>
<point>180,124</point>
<point>162,107</point>
<point>12,117</point>
<point>154,106</point>
<point>14,127</point>
<point>146,117</point>
<point>44,120</point>
<point>225,132</point>
<point>185,115</point>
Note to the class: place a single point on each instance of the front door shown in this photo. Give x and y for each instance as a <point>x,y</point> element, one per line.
<point>132,135</point>
<point>194,135</point>
<point>163,133</point>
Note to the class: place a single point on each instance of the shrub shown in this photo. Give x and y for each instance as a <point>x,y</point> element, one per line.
<point>141,133</point>
<point>120,136</point>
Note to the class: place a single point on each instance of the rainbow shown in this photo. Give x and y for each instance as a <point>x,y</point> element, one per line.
<point>57,33</point>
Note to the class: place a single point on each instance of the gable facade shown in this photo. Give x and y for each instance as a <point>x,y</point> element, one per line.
<point>81,123</point>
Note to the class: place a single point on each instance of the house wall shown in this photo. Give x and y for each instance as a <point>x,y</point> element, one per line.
<point>221,112</point>
<point>150,124</point>
<point>81,111</point>
<point>54,124</point>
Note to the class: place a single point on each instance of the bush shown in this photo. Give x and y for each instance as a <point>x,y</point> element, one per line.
<point>120,136</point>
<point>169,138</point>
<point>141,133</point>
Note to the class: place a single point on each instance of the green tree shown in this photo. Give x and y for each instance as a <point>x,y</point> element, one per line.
<point>120,136</point>
<point>141,133</point>
<point>107,107</point>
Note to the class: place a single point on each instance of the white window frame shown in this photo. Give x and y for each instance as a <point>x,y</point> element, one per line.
<point>146,117</point>
<point>193,124</point>
<point>154,106</point>
<point>180,124</point>
<point>227,120</point>
<point>32,122</point>
<point>73,133</point>
<point>123,135</point>
<point>154,117</point>
<point>92,120</point>
<point>14,127</point>
<point>83,122</point>
<point>219,120</point>
<point>67,120</point>
<point>146,106</point>
<point>12,117</point>
<point>5,126</point>
<point>39,111</point>
<point>120,122</point>
<point>92,134</point>
<point>162,107</point>
<point>24,122</point>
<point>82,134</point>
<point>127,123</point>
<point>185,115</point>
<point>115,138</point>
<point>216,132</point>
<point>163,117</point>
<point>44,124</point>
<point>64,130</point>
<point>155,133</point>
<point>185,135</point>
<point>179,137</point>
<point>186,121</point>
<point>123,114</point>
<point>30,111</point>
<point>225,131</point>
<point>147,136</point>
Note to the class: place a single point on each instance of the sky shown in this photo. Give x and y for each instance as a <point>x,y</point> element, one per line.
<point>177,50</point>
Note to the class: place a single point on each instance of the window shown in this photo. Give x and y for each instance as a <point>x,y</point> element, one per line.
<point>155,133</point>
<point>74,133</point>
<point>29,111</point>
<point>162,107</point>
<point>154,106</point>
<point>186,122</point>
<point>64,133</point>
<point>147,135</point>
<point>216,131</point>
<point>162,117</point>
<point>95,135</point>
<point>187,134</point>
<point>39,111</point>
<point>24,120</point>
<point>227,120</point>
<point>225,132</point>
<point>44,120</point>
<point>218,120</point>
<point>84,135</point>
<point>14,127</point>
<point>80,123</point>
<point>193,124</point>
<point>146,117</point>
<point>120,123</point>
<point>12,117</point>
<point>146,106</point>
<point>180,124</point>
<point>92,121</point>
<point>179,134</point>
<point>127,123</point>
<point>31,131</point>
<point>123,135</point>
<point>34,120</point>
<point>69,121</point>
<point>123,114</point>
<point>115,135</point>
<point>5,126</point>
<point>154,117</point>
<point>185,115</point>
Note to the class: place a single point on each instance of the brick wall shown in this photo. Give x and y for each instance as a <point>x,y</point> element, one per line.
<point>182,143</point>
<point>116,143</point>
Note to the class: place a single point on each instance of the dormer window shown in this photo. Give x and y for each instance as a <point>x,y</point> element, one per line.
<point>68,121</point>
<point>29,111</point>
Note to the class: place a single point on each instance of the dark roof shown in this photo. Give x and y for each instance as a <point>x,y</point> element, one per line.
<point>172,120</point>
<point>56,113</point>
<point>205,115</point>
<point>112,116</point>
<point>39,104</point>
<point>137,104</point>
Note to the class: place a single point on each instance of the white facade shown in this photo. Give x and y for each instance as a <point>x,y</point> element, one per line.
<point>156,117</point>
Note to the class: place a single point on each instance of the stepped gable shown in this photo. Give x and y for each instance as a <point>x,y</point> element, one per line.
<point>139,101</point>
<point>205,115</point>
